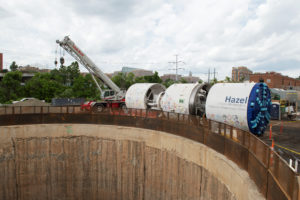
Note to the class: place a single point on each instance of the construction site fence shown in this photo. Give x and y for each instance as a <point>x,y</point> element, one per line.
<point>272,175</point>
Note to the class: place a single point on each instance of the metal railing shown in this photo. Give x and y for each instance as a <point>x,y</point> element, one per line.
<point>273,176</point>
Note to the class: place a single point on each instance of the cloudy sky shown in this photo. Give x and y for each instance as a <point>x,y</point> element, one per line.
<point>263,35</point>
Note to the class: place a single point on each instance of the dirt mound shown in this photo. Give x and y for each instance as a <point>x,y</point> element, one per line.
<point>31,102</point>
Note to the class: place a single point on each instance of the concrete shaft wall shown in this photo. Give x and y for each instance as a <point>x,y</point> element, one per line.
<point>109,162</point>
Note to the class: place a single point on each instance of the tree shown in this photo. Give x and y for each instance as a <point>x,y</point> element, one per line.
<point>85,87</point>
<point>119,79</point>
<point>66,74</point>
<point>214,81</point>
<point>153,79</point>
<point>41,86</point>
<point>140,79</point>
<point>13,67</point>
<point>67,93</point>
<point>298,78</point>
<point>168,82</point>
<point>62,72</point>
<point>242,79</point>
<point>11,87</point>
<point>227,79</point>
<point>73,72</point>
<point>124,80</point>
<point>200,81</point>
<point>56,75</point>
<point>182,80</point>
<point>129,80</point>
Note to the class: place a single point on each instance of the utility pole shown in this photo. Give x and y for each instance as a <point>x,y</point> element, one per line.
<point>208,81</point>
<point>210,73</point>
<point>214,73</point>
<point>176,66</point>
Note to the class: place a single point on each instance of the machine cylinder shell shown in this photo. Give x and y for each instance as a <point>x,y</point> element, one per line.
<point>185,98</point>
<point>242,105</point>
<point>143,95</point>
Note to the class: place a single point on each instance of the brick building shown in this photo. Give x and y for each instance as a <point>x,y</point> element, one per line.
<point>276,80</point>
<point>240,74</point>
<point>1,61</point>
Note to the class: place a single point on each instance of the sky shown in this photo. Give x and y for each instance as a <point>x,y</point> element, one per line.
<point>263,35</point>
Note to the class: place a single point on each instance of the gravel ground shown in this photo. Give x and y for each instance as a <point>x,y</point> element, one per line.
<point>289,138</point>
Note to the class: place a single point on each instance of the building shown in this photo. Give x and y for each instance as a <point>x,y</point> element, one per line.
<point>30,69</point>
<point>170,76</point>
<point>240,74</point>
<point>191,79</point>
<point>128,69</point>
<point>136,71</point>
<point>276,80</point>
<point>1,61</point>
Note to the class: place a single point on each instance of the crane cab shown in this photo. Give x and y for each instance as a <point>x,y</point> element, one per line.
<point>108,95</point>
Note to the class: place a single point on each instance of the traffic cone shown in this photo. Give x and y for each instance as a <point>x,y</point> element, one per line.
<point>270,135</point>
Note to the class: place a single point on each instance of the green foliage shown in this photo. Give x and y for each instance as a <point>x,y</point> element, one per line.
<point>182,80</point>
<point>214,81</point>
<point>11,88</point>
<point>67,75</point>
<point>123,80</point>
<point>119,80</point>
<point>227,79</point>
<point>13,67</point>
<point>41,86</point>
<point>63,82</point>
<point>84,86</point>
<point>140,79</point>
<point>67,93</point>
<point>153,79</point>
<point>56,75</point>
<point>168,82</point>
<point>200,81</point>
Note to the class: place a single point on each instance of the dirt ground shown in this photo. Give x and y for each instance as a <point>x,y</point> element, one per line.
<point>286,135</point>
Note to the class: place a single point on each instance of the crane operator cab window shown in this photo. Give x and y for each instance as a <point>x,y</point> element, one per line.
<point>108,93</point>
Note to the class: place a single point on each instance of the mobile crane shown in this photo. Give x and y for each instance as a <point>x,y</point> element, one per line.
<point>112,97</point>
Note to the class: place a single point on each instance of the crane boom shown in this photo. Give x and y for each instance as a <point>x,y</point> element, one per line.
<point>82,58</point>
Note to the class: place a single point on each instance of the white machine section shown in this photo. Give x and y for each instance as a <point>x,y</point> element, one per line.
<point>144,95</point>
<point>228,103</point>
<point>184,98</point>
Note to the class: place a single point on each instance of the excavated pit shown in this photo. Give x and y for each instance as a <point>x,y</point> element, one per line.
<point>81,161</point>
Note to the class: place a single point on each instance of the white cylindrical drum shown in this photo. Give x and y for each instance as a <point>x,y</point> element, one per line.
<point>185,98</point>
<point>143,95</point>
<point>242,105</point>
